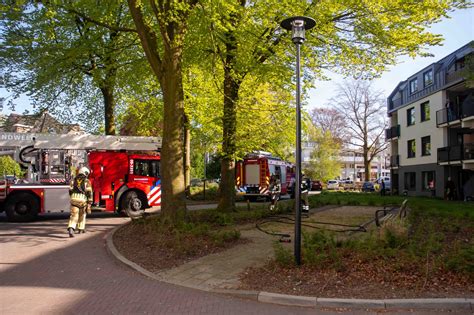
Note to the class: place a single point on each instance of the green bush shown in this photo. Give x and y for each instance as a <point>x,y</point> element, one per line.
<point>225,236</point>
<point>197,193</point>
<point>283,256</point>
<point>461,259</point>
<point>320,248</point>
<point>8,166</point>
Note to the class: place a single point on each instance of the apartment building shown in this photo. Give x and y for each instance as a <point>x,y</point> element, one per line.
<point>431,130</point>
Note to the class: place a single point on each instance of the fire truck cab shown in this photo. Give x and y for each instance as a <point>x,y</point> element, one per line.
<point>254,171</point>
<point>122,181</point>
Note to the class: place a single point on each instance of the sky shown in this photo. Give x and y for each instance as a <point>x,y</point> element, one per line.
<point>457,31</point>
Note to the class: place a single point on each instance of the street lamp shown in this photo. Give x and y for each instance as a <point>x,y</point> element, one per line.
<point>298,25</point>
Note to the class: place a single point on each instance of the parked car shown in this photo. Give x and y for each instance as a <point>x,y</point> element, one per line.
<point>348,184</point>
<point>316,185</point>
<point>333,185</point>
<point>368,187</point>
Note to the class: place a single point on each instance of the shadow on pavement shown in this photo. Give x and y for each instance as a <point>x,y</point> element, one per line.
<point>41,271</point>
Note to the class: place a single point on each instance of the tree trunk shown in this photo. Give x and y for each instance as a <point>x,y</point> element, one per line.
<point>366,165</point>
<point>109,109</point>
<point>227,185</point>
<point>168,71</point>
<point>172,168</point>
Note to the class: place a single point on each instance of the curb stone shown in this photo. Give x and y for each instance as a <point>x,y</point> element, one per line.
<point>304,301</point>
<point>284,299</point>
<point>353,303</point>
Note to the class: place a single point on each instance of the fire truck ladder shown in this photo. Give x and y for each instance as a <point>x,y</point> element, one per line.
<point>264,180</point>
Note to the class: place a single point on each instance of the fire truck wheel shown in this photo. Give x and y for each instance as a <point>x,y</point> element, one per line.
<point>22,207</point>
<point>132,204</point>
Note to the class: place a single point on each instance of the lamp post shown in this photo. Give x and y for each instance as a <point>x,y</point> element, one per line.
<point>298,25</point>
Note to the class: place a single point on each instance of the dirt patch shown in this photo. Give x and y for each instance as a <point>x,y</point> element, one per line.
<point>166,250</point>
<point>369,280</point>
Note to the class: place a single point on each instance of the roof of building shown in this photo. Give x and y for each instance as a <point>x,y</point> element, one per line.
<point>444,62</point>
<point>41,122</point>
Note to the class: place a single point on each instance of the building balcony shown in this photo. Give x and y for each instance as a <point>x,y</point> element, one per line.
<point>392,132</point>
<point>394,161</point>
<point>447,116</point>
<point>454,76</point>
<point>448,155</point>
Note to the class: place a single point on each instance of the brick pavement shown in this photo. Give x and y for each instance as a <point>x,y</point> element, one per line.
<point>42,271</point>
<point>221,270</point>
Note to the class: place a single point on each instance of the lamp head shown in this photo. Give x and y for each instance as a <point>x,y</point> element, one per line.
<point>298,25</point>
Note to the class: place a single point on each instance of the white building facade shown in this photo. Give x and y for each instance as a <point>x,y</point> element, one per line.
<point>432,128</point>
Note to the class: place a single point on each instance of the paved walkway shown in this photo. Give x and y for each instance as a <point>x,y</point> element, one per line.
<point>221,270</point>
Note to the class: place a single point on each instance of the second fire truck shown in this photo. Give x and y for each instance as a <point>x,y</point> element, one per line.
<point>123,180</point>
<point>253,175</point>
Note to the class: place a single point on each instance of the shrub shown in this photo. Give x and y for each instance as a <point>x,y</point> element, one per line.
<point>223,236</point>
<point>283,256</point>
<point>8,166</point>
<point>320,248</point>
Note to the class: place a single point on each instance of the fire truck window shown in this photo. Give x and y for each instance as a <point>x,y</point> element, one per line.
<point>283,175</point>
<point>278,171</point>
<point>155,168</point>
<point>271,168</point>
<point>140,168</point>
<point>146,168</point>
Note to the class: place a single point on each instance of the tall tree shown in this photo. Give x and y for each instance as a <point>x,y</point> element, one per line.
<point>162,27</point>
<point>324,163</point>
<point>349,37</point>
<point>363,109</point>
<point>330,122</point>
<point>58,55</point>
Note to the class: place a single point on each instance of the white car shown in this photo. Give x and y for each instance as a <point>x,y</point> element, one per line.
<point>332,185</point>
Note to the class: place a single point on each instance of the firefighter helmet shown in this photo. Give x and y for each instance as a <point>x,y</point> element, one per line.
<point>84,171</point>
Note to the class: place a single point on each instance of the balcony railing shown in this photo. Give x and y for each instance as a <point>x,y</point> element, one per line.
<point>446,115</point>
<point>449,154</point>
<point>468,151</point>
<point>454,76</point>
<point>395,160</point>
<point>392,132</point>
<point>467,107</point>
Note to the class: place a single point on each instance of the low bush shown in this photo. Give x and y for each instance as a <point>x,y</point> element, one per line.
<point>197,192</point>
<point>435,230</point>
<point>283,256</point>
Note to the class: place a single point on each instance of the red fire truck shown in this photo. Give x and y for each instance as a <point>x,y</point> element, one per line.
<point>253,175</point>
<point>122,181</point>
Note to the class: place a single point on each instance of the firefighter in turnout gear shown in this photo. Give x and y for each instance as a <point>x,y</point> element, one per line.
<point>80,192</point>
<point>305,187</point>
<point>275,190</point>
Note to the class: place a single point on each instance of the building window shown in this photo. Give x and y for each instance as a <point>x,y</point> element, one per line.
<point>425,111</point>
<point>428,78</point>
<point>413,86</point>
<point>428,181</point>
<point>411,148</point>
<point>459,64</point>
<point>411,116</point>
<point>410,181</point>
<point>426,146</point>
